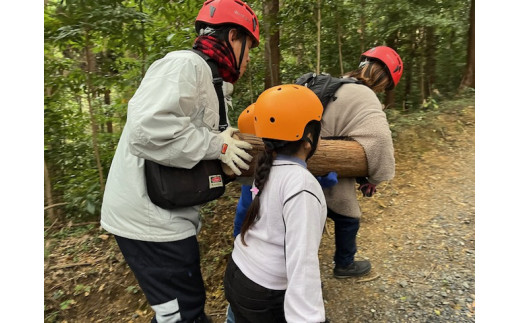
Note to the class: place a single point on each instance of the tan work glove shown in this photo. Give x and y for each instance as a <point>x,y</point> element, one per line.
<point>232,152</point>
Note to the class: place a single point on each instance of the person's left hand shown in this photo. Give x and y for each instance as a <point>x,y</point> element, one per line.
<point>328,180</point>
<point>368,189</point>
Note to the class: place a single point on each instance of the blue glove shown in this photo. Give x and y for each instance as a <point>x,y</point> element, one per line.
<point>328,180</point>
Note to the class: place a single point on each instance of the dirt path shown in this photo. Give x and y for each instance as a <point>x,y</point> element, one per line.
<point>418,232</point>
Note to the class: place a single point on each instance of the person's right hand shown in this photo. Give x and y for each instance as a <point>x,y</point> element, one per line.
<point>232,152</point>
<point>328,180</point>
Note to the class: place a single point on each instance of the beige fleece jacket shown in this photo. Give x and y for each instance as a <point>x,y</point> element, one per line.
<point>358,114</point>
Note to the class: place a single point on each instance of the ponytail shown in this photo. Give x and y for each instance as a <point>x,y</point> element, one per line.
<point>373,74</point>
<point>263,168</point>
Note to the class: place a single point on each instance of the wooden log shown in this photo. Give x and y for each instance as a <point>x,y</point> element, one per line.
<point>346,158</point>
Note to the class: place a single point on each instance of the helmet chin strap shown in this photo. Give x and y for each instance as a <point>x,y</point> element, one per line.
<point>313,147</point>
<point>313,142</point>
<point>242,51</point>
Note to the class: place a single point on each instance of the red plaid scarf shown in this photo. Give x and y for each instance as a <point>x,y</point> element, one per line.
<point>221,53</point>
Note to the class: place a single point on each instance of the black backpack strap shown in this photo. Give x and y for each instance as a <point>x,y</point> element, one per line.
<point>217,83</point>
<point>324,85</point>
<point>305,78</point>
<point>346,80</point>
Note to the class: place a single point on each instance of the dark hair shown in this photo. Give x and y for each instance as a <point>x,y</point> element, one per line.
<point>374,75</point>
<point>222,31</point>
<point>264,164</point>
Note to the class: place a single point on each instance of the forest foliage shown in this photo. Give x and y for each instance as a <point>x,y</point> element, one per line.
<point>97,51</point>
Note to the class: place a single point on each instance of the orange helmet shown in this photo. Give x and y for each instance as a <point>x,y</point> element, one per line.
<point>282,112</point>
<point>246,120</point>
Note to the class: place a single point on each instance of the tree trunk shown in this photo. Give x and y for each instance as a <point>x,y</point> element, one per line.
<point>93,123</point>
<point>272,43</point>
<point>469,76</point>
<point>48,192</point>
<point>110,127</point>
<point>340,49</point>
<point>300,54</point>
<point>430,63</point>
<point>79,101</point>
<point>408,68</point>
<point>362,25</point>
<point>346,158</point>
<point>421,83</point>
<point>389,101</point>
<point>318,42</point>
<point>143,42</point>
<point>250,84</point>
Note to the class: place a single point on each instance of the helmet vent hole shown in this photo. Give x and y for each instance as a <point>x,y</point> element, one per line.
<point>272,120</point>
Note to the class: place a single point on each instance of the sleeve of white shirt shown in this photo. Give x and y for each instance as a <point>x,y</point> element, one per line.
<point>161,111</point>
<point>304,227</point>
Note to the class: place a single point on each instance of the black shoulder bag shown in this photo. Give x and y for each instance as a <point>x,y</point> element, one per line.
<point>172,187</point>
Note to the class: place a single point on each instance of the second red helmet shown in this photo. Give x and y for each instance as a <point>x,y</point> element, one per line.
<point>390,60</point>
<point>219,12</point>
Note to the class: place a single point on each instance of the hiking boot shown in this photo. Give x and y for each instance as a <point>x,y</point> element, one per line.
<point>357,268</point>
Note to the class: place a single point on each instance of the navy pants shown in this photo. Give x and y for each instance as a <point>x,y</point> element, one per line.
<point>345,231</point>
<point>250,302</point>
<point>170,277</point>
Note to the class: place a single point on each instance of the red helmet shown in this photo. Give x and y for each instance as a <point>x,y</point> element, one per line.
<point>390,60</point>
<point>218,12</point>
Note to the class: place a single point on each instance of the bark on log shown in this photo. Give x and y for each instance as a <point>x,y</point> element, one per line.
<point>347,158</point>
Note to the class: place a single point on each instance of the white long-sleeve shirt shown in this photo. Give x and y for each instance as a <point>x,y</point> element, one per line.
<point>282,245</point>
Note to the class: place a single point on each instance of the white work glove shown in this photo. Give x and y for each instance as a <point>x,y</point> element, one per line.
<point>232,152</point>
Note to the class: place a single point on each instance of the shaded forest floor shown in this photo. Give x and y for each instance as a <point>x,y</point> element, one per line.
<point>418,231</point>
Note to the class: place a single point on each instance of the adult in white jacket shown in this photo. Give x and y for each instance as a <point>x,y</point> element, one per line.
<point>273,274</point>
<point>173,119</point>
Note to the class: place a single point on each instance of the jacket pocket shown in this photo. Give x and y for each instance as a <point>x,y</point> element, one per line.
<point>211,119</point>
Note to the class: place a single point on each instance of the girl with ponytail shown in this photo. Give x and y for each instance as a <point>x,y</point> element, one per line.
<point>273,274</point>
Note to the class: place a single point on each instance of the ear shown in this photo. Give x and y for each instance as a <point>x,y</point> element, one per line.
<point>307,145</point>
<point>232,35</point>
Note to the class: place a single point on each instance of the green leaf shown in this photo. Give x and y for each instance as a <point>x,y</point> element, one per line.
<point>67,304</point>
